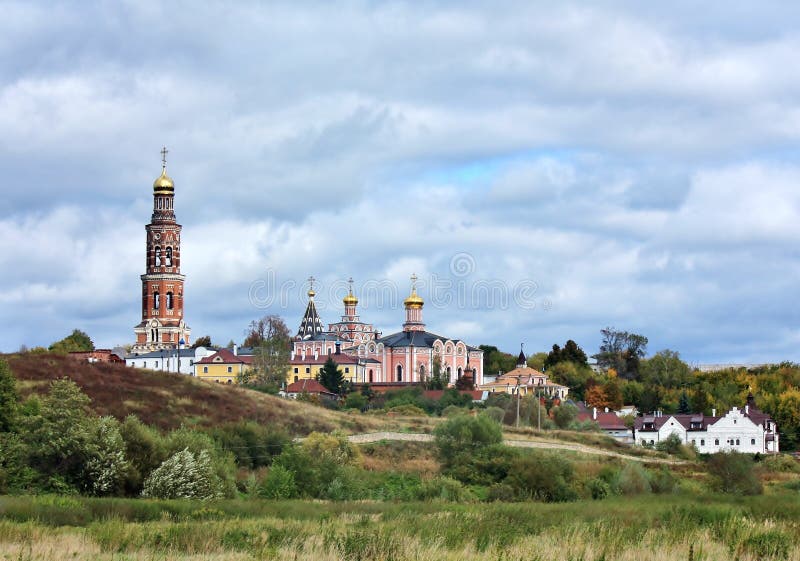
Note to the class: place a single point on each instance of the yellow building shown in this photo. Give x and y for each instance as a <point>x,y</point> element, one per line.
<point>304,366</point>
<point>223,367</point>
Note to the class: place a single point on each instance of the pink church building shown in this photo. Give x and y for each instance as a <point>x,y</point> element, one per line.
<point>406,356</point>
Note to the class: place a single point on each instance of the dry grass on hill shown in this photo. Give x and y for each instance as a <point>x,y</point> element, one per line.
<point>171,400</point>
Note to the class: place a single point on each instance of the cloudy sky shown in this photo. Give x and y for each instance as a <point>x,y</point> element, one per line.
<point>547,169</point>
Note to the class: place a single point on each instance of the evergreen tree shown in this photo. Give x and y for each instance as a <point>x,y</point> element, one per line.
<point>331,377</point>
<point>436,381</point>
<point>8,398</point>
<point>683,404</point>
<point>700,402</point>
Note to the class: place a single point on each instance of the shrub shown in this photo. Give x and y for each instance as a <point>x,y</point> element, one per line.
<point>144,450</point>
<point>564,415</point>
<point>772,544</point>
<point>334,448</point>
<point>734,473</point>
<point>542,476</point>
<point>107,465</point>
<point>184,476</point>
<point>407,410</point>
<point>783,463</point>
<point>495,413</point>
<point>356,401</point>
<point>502,492</point>
<point>252,445</point>
<point>663,482</point>
<point>599,489</point>
<point>452,410</point>
<point>444,489</point>
<point>278,484</point>
<point>465,434</point>
<point>633,480</point>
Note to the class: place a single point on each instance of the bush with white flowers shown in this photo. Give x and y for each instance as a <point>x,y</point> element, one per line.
<point>184,476</point>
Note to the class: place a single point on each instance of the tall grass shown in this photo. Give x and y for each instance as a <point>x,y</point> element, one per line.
<point>673,528</point>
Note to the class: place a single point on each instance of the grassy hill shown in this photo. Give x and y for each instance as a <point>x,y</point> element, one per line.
<point>171,400</point>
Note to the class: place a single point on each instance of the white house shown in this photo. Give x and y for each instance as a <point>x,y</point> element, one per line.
<point>173,360</point>
<point>747,430</point>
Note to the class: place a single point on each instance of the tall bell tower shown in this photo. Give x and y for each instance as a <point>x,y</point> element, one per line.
<point>162,325</point>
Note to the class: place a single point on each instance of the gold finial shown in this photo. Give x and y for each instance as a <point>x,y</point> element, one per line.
<point>163,184</point>
<point>350,299</point>
<point>311,292</point>
<point>413,301</point>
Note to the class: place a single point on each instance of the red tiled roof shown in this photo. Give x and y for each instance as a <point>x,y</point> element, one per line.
<point>308,385</point>
<point>227,358</point>
<point>606,421</point>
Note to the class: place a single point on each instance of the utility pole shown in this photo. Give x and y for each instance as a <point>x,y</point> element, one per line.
<point>518,387</point>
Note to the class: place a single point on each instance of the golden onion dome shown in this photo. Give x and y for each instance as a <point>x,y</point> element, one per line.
<point>350,300</point>
<point>311,293</point>
<point>413,301</point>
<point>163,184</point>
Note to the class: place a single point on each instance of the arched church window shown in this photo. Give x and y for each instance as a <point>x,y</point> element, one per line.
<point>399,373</point>
<point>459,372</point>
<point>421,371</point>
<point>156,300</point>
<point>370,375</point>
<point>169,301</point>
<point>158,256</point>
<point>169,257</point>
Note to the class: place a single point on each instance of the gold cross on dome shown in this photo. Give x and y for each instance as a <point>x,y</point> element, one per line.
<point>414,281</point>
<point>164,153</point>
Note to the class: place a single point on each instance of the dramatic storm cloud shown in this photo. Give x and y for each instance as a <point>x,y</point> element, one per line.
<point>547,169</point>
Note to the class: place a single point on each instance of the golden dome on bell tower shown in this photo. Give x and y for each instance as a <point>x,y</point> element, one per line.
<point>414,300</point>
<point>350,299</point>
<point>163,184</point>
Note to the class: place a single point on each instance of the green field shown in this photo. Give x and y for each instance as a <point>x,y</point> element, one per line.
<point>673,527</point>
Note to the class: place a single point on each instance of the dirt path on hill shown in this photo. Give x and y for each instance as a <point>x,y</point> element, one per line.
<point>369,437</point>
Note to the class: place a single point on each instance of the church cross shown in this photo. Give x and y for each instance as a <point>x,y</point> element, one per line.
<point>414,281</point>
<point>311,280</point>
<point>164,153</point>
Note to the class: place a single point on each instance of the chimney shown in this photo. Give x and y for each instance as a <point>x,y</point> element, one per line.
<point>606,409</point>
<point>747,409</point>
<point>235,349</point>
<point>594,413</point>
<point>713,412</point>
<point>338,347</point>
<point>303,353</point>
<point>316,354</point>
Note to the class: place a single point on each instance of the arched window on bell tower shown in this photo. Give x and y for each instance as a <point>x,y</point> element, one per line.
<point>169,257</point>
<point>158,256</point>
<point>156,300</point>
<point>170,304</point>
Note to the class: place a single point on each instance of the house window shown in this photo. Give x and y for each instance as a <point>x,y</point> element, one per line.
<point>296,370</point>
<point>399,373</point>
<point>144,364</point>
<point>156,366</point>
<point>205,370</point>
<point>230,369</point>
<point>370,376</point>
<point>191,362</point>
<point>229,381</point>
<point>702,442</point>
<point>737,442</point>
<point>296,377</point>
<point>347,370</point>
<point>753,441</point>
<point>716,442</point>
<point>308,370</point>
